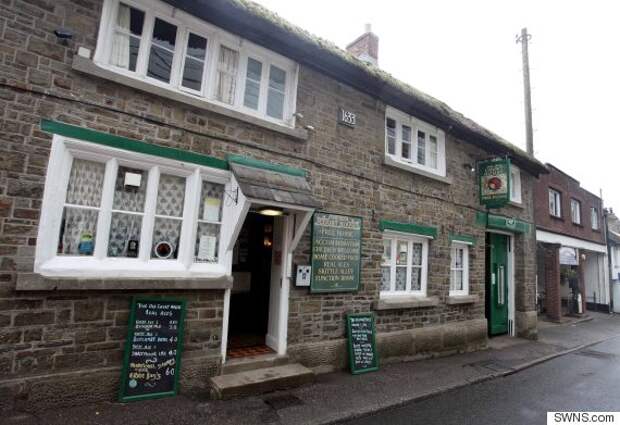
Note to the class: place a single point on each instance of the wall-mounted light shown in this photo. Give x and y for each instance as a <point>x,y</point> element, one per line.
<point>63,35</point>
<point>309,127</point>
<point>470,167</point>
<point>271,211</point>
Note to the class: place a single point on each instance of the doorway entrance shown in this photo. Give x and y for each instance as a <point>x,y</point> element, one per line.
<point>250,296</point>
<point>497,283</point>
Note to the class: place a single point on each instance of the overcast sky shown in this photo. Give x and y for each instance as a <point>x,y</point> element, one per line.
<point>464,53</point>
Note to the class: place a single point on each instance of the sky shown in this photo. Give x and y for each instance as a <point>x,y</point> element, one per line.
<point>464,53</point>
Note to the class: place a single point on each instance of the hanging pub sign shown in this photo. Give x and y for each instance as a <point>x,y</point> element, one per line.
<point>494,182</point>
<point>336,252</point>
<point>152,358</point>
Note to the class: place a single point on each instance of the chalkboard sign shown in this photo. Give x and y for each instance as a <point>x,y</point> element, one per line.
<point>153,349</point>
<point>361,338</point>
<point>336,252</point>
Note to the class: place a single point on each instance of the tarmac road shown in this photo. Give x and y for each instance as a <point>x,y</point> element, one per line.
<point>586,380</point>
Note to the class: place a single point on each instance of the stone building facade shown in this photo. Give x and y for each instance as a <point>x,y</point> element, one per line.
<point>60,333</point>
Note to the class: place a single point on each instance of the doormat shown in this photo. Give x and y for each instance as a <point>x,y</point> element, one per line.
<point>256,350</point>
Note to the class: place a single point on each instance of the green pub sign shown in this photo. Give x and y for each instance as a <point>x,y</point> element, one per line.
<point>336,252</point>
<point>494,182</point>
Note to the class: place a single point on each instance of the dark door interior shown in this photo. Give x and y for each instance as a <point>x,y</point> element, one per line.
<point>249,303</point>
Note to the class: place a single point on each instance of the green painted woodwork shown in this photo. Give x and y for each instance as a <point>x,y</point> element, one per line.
<point>265,165</point>
<point>413,228</point>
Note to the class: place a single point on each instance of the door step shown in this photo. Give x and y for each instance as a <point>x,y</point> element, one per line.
<point>254,362</point>
<point>259,381</point>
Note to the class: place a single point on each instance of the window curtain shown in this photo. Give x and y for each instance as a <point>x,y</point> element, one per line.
<point>227,75</point>
<point>120,41</point>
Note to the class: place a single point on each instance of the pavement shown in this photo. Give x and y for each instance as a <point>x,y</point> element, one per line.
<point>340,396</point>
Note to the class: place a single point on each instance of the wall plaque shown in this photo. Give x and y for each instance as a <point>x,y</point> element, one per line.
<point>336,252</point>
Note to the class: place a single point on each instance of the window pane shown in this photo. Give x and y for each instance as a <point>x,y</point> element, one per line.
<point>401,279</point>
<point>387,251</point>
<point>432,151</point>
<point>196,46</point>
<point>85,183</point>
<point>207,243</point>
<point>385,278</point>
<point>228,63</point>
<point>421,147</point>
<point>130,19</point>
<point>164,34</point>
<point>124,51</point>
<point>192,74</point>
<point>457,280</point>
<point>160,64</point>
<point>211,201</point>
<point>458,258</point>
<point>124,235</point>
<point>78,231</point>
<point>406,146</point>
<point>417,254</point>
<point>275,97</point>
<point>130,189</point>
<point>416,282</point>
<point>390,130</point>
<point>170,196</point>
<point>252,83</point>
<point>166,237</point>
<point>402,256</point>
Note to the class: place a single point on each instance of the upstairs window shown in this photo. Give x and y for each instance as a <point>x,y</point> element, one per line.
<point>555,203</point>
<point>414,143</point>
<point>594,219</point>
<point>152,41</point>
<point>575,211</point>
<point>515,184</point>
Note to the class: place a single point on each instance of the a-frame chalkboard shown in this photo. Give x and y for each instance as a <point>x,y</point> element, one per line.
<point>152,360</point>
<point>361,341</point>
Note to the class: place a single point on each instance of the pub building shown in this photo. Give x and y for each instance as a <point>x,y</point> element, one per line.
<point>212,153</point>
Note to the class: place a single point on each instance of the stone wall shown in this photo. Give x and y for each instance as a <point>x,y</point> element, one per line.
<point>60,336</point>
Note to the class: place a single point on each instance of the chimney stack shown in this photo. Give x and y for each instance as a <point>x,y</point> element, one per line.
<point>366,47</point>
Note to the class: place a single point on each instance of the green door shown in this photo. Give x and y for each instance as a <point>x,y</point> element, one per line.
<point>498,284</point>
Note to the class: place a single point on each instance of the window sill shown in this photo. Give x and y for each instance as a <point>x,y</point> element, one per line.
<point>389,161</point>
<point>516,204</point>
<point>405,302</point>
<point>87,66</point>
<point>461,299</point>
<point>37,282</point>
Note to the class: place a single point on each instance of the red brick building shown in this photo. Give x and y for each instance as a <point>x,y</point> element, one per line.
<point>571,250</point>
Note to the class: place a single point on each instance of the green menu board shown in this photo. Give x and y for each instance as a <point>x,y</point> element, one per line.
<point>361,340</point>
<point>336,252</point>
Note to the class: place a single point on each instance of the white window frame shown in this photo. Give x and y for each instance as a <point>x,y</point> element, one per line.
<point>575,211</point>
<point>515,185</point>
<point>465,269</point>
<point>416,125</point>
<point>557,203</point>
<point>99,265</point>
<point>594,218</point>
<point>216,37</point>
<point>410,239</point>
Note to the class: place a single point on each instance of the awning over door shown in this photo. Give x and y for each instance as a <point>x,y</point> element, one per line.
<point>272,183</point>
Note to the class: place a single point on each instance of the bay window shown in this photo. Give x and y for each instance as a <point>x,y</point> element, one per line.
<point>164,46</point>
<point>414,143</point>
<point>404,265</point>
<point>119,213</point>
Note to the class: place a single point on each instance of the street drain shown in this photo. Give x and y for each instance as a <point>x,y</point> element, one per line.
<point>595,354</point>
<point>282,401</point>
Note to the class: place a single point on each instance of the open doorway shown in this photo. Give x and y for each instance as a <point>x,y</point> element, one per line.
<point>250,297</point>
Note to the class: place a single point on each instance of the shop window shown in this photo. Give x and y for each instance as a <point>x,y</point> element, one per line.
<point>414,143</point>
<point>164,46</point>
<point>459,269</point>
<point>575,211</point>
<point>125,212</point>
<point>555,203</point>
<point>404,265</point>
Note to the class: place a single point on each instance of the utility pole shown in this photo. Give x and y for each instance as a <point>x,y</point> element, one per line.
<point>524,39</point>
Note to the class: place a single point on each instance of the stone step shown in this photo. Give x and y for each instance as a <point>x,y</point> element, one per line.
<point>259,381</point>
<point>253,362</point>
